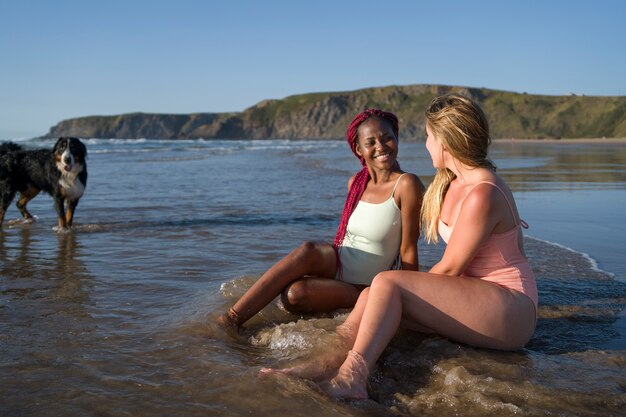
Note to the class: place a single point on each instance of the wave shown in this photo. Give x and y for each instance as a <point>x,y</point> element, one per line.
<point>18,140</point>
<point>145,145</point>
<point>251,220</point>
<point>593,264</point>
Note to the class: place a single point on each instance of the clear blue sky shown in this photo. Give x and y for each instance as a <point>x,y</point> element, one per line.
<point>64,59</point>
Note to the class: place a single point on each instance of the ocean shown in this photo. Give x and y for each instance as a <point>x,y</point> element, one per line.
<point>116,318</point>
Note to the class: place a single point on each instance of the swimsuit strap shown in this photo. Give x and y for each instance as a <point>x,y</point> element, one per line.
<point>517,223</point>
<point>397,181</point>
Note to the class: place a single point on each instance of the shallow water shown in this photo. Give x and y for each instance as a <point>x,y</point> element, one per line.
<point>115,318</point>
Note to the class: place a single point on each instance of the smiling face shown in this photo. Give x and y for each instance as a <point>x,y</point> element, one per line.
<point>377,143</point>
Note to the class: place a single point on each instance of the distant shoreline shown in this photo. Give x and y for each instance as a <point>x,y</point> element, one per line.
<point>420,140</point>
<point>568,140</point>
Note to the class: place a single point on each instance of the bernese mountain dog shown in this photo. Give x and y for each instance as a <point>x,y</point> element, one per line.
<point>61,172</point>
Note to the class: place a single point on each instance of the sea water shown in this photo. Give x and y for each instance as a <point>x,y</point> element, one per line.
<point>116,317</point>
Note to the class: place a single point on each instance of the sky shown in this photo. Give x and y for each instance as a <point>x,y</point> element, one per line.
<point>65,59</point>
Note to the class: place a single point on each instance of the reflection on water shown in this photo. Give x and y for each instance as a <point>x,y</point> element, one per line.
<point>541,166</point>
<point>116,318</point>
<point>44,302</point>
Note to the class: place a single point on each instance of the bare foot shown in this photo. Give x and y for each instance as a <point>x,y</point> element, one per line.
<point>350,382</point>
<point>323,365</point>
<point>269,372</point>
<point>315,369</point>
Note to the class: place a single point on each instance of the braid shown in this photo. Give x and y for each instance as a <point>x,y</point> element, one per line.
<point>362,177</point>
<point>352,199</point>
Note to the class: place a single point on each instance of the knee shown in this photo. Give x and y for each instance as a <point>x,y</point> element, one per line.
<point>305,249</point>
<point>384,279</point>
<point>385,282</point>
<point>296,296</point>
<point>307,253</point>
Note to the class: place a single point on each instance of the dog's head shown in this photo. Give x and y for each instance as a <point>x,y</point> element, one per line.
<point>70,154</point>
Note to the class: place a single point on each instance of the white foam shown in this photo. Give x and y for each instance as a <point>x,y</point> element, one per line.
<point>592,262</point>
<point>17,140</point>
<point>100,141</point>
<point>112,145</point>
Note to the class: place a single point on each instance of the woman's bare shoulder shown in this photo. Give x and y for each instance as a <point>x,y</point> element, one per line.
<point>486,200</point>
<point>410,182</point>
<point>409,190</point>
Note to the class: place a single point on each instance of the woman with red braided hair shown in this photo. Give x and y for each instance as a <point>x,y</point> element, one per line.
<point>379,228</point>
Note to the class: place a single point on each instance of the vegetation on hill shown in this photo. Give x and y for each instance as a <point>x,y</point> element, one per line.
<point>326,116</point>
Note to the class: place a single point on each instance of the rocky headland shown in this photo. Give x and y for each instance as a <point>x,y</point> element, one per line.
<point>326,116</point>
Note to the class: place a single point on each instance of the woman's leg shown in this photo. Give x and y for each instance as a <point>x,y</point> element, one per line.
<point>310,258</point>
<point>319,295</point>
<point>467,310</point>
<point>324,365</point>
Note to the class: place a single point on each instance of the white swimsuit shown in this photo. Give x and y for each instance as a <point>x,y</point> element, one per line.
<point>372,241</point>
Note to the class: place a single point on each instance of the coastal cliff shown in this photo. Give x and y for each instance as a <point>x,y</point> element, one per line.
<point>326,116</point>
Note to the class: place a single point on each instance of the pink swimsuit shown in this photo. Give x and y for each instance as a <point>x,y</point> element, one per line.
<point>500,259</point>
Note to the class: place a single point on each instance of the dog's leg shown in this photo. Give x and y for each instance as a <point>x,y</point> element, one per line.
<point>25,197</point>
<point>59,201</point>
<point>5,200</point>
<point>69,213</point>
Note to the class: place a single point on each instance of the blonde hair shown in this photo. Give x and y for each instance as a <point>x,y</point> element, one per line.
<point>460,126</point>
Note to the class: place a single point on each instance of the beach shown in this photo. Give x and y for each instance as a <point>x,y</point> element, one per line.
<point>117,317</point>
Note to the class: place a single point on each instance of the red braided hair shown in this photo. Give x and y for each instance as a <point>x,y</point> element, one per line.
<point>362,177</point>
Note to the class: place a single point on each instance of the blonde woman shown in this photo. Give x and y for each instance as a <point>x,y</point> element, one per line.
<point>482,292</point>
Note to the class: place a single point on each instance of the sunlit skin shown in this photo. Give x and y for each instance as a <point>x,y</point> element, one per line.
<point>434,148</point>
<point>305,278</point>
<point>467,310</point>
<point>377,145</point>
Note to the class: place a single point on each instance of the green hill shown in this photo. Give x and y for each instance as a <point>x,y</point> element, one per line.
<point>326,116</point>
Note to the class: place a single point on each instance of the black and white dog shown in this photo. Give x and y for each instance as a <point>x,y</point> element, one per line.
<point>62,173</point>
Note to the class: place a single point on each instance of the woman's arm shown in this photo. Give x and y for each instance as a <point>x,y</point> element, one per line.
<point>410,191</point>
<point>481,211</point>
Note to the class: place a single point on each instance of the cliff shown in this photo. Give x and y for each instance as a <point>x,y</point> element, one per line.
<point>326,116</point>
